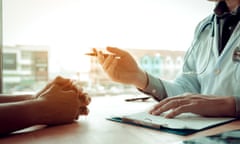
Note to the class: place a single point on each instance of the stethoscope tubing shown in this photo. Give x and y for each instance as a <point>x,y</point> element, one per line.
<point>201,29</point>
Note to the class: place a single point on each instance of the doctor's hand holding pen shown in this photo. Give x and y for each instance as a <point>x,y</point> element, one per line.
<point>121,67</point>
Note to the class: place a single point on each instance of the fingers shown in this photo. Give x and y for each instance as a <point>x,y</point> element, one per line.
<point>112,69</point>
<point>108,63</point>
<point>58,80</point>
<point>160,107</point>
<point>179,110</point>
<point>70,87</point>
<point>83,111</point>
<point>61,81</point>
<point>53,89</point>
<point>113,50</point>
<point>94,50</point>
<point>165,106</point>
<point>77,86</point>
<point>84,99</point>
<point>116,54</point>
<point>117,51</point>
<point>178,105</point>
<point>100,57</point>
<point>68,84</point>
<point>41,92</point>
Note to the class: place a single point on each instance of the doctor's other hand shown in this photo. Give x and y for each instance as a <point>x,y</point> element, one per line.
<point>211,106</point>
<point>121,67</point>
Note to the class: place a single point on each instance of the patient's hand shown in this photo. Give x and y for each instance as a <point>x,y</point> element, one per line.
<point>62,106</point>
<point>63,101</point>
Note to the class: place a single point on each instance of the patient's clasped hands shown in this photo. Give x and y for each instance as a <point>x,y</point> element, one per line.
<point>62,101</point>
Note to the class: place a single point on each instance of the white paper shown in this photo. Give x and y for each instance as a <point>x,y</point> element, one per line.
<point>182,121</point>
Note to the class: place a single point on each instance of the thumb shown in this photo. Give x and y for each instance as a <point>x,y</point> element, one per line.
<point>52,90</point>
<point>62,81</point>
<point>117,51</point>
<point>55,87</point>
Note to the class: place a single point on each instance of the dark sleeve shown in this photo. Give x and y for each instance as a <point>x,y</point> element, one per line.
<point>154,88</point>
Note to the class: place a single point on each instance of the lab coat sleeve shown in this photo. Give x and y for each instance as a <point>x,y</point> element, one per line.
<point>182,84</point>
<point>160,89</point>
<point>155,88</point>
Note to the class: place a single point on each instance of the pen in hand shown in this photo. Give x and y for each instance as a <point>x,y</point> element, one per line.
<point>104,54</point>
<point>95,54</point>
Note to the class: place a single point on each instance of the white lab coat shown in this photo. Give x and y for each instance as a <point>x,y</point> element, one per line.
<point>205,71</point>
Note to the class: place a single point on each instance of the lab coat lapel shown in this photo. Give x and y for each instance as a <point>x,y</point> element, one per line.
<point>235,37</point>
<point>234,41</point>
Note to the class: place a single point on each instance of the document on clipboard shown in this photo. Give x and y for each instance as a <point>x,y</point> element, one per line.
<point>182,124</point>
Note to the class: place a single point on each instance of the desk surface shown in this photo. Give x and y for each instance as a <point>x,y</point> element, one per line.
<point>95,129</point>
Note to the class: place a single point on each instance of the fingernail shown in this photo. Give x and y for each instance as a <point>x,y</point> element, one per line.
<point>153,113</point>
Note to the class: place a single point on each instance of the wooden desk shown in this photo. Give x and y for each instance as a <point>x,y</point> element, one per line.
<point>95,129</point>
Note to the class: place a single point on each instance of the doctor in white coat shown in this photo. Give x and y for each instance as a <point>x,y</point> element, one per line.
<point>209,83</point>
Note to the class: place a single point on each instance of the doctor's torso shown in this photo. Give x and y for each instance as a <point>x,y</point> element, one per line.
<point>219,74</point>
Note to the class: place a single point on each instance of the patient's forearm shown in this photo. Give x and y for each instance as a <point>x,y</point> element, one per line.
<point>14,98</point>
<point>18,115</point>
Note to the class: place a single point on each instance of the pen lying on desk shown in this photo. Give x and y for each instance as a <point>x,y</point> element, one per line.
<point>138,98</point>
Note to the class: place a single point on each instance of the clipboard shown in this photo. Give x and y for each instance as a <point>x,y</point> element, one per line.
<point>184,124</point>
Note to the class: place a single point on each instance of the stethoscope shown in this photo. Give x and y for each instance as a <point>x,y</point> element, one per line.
<point>194,46</point>
<point>210,22</point>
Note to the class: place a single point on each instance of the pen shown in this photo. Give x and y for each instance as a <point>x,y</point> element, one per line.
<point>94,54</point>
<point>104,54</point>
<point>136,99</point>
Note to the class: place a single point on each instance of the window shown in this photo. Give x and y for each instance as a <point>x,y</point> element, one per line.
<point>10,61</point>
<point>1,45</point>
<point>46,38</point>
<point>26,55</point>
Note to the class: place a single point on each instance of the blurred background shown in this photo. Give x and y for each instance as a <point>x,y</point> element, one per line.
<point>46,38</point>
